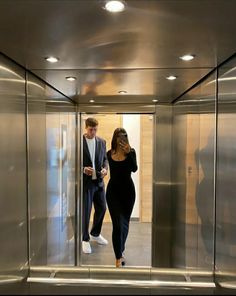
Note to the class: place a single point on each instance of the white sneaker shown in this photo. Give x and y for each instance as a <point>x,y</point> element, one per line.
<point>86,247</point>
<point>99,239</point>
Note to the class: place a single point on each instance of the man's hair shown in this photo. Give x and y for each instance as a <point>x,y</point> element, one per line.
<point>91,122</point>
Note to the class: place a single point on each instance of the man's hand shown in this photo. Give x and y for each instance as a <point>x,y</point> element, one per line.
<point>103,172</point>
<point>88,171</point>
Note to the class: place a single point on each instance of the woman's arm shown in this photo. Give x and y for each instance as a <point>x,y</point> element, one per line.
<point>132,160</point>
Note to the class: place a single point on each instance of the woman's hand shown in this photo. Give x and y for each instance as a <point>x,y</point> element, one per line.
<point>125,146</point>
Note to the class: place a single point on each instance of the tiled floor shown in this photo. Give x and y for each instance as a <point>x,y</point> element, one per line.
<point>138,247</point>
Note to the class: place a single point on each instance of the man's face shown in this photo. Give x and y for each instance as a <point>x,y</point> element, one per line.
<point>91,131</point>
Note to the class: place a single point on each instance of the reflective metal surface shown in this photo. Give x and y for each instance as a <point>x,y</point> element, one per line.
<point>95,108</point>
<point>119,281</point>
<point>134,283</point>
<point>184,176</point>
<point>140,85</point>
<point>226,170</point>
<point>162,158</point>
<point>134,50</point>
<point>51,125</point>
<point>122,276</point>
<point>193,169</point>
<point>13,199</point>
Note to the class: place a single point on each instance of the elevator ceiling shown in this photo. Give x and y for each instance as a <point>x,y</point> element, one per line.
<point>133,51</point>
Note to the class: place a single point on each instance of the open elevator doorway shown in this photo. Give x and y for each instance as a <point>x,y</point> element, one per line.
<point>139,128</point>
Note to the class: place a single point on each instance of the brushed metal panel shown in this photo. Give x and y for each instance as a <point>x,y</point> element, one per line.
<point>117,108</point>
<point>13,198</point>
<point>193,173</point>
<point>60,272</point>
<point>225,186</point>
<point>37,170</point>
<point>51,122</point>
<point>141,85</point>
<point>147,36</point>
<point>136,279</point>
<point>20,288</point>
<point>161,221</point>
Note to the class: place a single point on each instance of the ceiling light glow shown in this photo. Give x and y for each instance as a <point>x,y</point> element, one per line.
<point>187,57</point>
<point>171,77</point>
<point>71,78</point>
<point>114,6</point>
<point>52,59</point>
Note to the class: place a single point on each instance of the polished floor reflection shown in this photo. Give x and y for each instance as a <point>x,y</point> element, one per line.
<point>138,247</point>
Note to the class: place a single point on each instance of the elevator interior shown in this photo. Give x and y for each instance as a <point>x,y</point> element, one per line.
<point>193,205</point>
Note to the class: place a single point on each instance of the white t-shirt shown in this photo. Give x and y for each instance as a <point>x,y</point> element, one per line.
<point>92,150</point>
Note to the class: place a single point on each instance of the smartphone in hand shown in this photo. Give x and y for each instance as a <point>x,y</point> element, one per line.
<point>124,138</point>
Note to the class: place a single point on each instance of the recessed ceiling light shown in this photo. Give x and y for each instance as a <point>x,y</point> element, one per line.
<point>71,78</point>
<point>155,100</point>
<point>122,92</point>
<point>171,77</point>
<point>91,101</point>
<point>187,57</point>
<point>52,59</point>
<point>114,6</point>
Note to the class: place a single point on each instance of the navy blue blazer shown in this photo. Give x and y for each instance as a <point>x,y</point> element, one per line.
<point>100,161</point>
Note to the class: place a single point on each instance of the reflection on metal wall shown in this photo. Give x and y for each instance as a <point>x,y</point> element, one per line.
<point>193,177</point>
<point>178,176</point>
<point>51,124</point>
<point>161,227</point>
<point>226,172</point>
<point>13,218</point>
<point>117,108</point>
<point>37,170</point>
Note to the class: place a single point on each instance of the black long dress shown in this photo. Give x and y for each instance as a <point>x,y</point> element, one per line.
<point>120,197</point>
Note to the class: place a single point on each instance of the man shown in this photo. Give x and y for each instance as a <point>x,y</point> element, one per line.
<point>95,167</point>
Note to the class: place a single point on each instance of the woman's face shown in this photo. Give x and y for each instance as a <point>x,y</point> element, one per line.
<point>122,137</point>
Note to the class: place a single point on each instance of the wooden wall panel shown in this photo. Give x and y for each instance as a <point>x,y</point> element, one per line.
<point>146,167</point>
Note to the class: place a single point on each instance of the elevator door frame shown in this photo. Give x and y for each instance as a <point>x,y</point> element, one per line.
<point>80,177</point>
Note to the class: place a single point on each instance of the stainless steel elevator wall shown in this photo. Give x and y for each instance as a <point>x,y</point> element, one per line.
<point>226,173</point>
<point>193,156</point>
<point>193,183</point>
<point>183,201</point>
<point>162,198</point>
<point>51,125</point>
<point>37,170</point>
<point>13,199</point>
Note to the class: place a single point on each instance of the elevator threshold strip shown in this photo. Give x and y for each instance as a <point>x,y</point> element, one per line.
<point>116,282</point>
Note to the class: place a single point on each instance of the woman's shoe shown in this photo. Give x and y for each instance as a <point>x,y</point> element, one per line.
<point>118,263</point>
<point>122,261</point>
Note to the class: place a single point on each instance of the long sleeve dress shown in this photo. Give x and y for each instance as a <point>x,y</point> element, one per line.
<point>120,197</point>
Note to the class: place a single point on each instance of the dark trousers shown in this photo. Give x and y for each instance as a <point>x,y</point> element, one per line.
<point>120,216</point>
<point>93,195</point>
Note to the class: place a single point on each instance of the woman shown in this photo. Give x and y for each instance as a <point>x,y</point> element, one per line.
<point>120,190</point>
